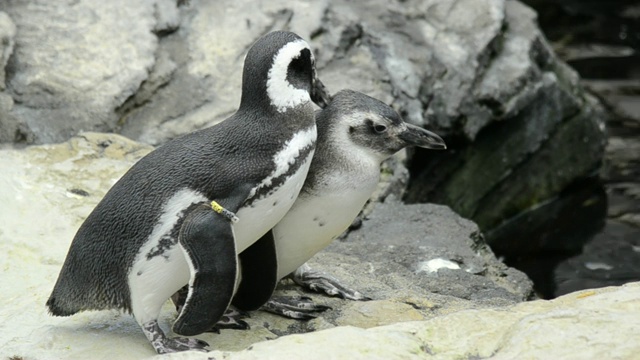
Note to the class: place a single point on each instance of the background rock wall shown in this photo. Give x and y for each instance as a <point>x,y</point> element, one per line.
<point>479,72</point>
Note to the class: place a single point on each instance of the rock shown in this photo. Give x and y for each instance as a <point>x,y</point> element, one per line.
<point>96,55</point>
<point>207,58</point>
<point>584,325</point>
<point>477,71</point>
<point>545,134</point>
<point>611,258</point>
<point>10,125</point>
<point>422,246</point>
<point>416,262</point>
<point>7,42</point>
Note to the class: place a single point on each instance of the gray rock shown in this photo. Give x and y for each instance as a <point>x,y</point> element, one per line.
<point>7,42</point>
<point>479,72</point>
<point>611,258</point>
<point>545,135</point>
<point>197,78</point>
<point>96,55</point>
<point>423,246</point>
<point>8,124</point>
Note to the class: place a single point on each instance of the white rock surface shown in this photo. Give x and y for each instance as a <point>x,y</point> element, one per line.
<point>46,191</point>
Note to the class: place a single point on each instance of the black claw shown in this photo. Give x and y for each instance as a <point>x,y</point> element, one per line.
<point>202,343</point>
<point>304,317</point>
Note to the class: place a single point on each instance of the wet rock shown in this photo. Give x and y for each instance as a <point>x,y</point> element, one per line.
<point>611,258</point>
<point>545,135</point>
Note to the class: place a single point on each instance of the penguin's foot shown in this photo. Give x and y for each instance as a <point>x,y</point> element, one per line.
<point>298,307</point>
<point>232,319</point>
<point>163,345</point>
<point>321,282</point>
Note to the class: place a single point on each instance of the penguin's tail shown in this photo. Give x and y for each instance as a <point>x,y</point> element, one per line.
<point>58,308</point>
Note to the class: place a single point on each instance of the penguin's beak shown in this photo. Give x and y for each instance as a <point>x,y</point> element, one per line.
<point>417,136</point>
<point>319,93</point>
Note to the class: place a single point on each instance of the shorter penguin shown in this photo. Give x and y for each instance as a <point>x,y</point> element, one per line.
<point>356,133</point>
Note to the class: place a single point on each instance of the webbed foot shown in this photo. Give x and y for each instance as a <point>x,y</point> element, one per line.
<point>320,282</point>
<point>163,345</point>
<point>232,319</point>
<point>299,307</point>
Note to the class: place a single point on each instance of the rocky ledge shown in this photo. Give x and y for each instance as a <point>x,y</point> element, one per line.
<point>437,289</point>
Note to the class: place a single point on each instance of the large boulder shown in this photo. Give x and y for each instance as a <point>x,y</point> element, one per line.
<point>75,63</point>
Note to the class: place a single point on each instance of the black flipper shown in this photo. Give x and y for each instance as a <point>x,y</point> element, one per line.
<point>259,269</point>
<point>209,245</point>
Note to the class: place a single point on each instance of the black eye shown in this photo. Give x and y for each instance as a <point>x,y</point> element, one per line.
<point>379,128</point>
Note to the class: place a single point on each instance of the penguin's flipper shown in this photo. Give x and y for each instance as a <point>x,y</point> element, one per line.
<point>259,270</point>
<point>208,243</point>
<point>298,307</point>
<point>320,282</point>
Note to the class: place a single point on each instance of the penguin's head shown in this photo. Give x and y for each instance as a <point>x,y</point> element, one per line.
<point>355,119</point>
<point>280,73</point>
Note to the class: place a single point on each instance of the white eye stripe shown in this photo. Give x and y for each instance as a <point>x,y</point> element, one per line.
<point>281,93</point>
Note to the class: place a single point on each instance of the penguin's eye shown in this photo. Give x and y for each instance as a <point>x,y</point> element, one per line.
<point>379,128</point>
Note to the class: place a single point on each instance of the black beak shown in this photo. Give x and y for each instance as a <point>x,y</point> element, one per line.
<point>319,93</point>
<point>417,136</point>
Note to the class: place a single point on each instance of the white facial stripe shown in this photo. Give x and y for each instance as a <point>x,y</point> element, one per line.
<point>288,155</point>
<point>342,141</point>
<point>282,94</point>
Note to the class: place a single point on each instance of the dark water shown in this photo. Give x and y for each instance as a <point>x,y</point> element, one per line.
<point>591,233</point>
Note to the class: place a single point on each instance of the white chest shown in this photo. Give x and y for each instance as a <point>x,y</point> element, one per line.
<point>314,221</point>
<point>263,214</point>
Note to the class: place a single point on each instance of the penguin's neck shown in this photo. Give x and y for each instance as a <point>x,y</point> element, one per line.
<point>343,168</point>
<point>291,120</point>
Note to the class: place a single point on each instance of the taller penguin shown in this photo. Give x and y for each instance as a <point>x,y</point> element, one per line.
<point>163,224</point>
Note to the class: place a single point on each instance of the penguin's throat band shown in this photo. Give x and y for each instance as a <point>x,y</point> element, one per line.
<point>230,215</point>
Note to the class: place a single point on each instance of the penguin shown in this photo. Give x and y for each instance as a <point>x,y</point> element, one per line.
<point>356,133</point>
<point>182,214</point>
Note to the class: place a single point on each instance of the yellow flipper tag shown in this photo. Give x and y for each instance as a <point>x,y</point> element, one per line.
<point>224,212</point>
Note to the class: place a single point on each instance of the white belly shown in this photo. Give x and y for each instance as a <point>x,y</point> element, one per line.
<point>152,281</point>
<point>264,214</point>
<point>313,222</point>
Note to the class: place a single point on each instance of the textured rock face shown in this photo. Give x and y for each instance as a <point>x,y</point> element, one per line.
<point>479,72</point>
<point>74,64</point>
<point>416,262</point>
